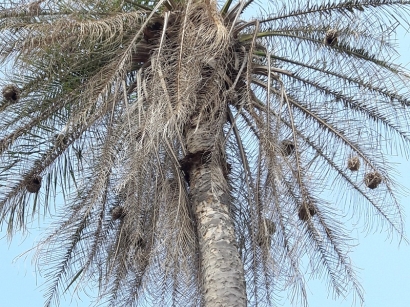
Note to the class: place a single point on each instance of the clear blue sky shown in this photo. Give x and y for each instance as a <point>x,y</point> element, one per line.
<point>383,266</point>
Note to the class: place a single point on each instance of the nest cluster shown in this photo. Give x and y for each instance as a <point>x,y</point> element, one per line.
<point>372,180</point>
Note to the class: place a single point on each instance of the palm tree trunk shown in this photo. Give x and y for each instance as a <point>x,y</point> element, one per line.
<point>221,266</point>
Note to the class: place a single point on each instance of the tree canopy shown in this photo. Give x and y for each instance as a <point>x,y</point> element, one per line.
<point>125,106</point>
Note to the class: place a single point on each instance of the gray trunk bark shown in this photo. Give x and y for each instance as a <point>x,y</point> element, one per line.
<point>221,266</point>
<point>222,269</point>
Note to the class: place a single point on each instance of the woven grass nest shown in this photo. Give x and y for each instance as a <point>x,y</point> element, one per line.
<point>118,212</point>
<point>303,212</point>
<point>60,139</point>
<point>11,93</point>
<point>331,37</point>
<point>287,147</point>
<point>353,164</point>
<point>372,180</point>
<point>33,184</point>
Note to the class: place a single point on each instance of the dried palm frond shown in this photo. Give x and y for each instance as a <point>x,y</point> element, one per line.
<point>34,8</point>
<point>153,31</point>
<point>266,229</point>
<point>172,120</point>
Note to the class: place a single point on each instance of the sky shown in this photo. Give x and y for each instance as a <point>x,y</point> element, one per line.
<point>383,265</point>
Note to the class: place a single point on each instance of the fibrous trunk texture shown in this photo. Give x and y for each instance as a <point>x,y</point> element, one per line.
<point>221,265</point>
<point>222,269</point>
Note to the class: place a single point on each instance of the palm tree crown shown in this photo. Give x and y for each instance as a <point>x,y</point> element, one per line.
<point>148,114</point>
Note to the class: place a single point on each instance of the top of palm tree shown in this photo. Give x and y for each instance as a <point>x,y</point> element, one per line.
<point>301,102</point>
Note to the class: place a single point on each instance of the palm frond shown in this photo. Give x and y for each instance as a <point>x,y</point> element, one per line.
<point>127,107</point>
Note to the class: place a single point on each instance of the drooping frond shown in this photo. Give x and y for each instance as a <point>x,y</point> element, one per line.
<point>104,102</point>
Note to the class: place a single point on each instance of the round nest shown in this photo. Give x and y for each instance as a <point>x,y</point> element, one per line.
<point>372,180</point>
<point>60,139</point>
<point>118,212</point>
<point>303,212</point>
<point>11,93</point>
<point>331,37</point>
<point>287,147</point>
<point>353,164</point>
<point>33,184</point>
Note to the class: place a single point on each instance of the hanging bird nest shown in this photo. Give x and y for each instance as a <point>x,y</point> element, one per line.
<point>33,184</point>
<point>11,93</point>
<point>60,139</point>
<point>118,212</point>
<point>353,164</point>
<point>331,37</point>
<point>266,229</point>
<point>372,180</point>
<point>303,211</point>
<point>287,147</point>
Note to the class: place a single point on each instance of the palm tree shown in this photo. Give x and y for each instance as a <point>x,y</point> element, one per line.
<point>194,146</point>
